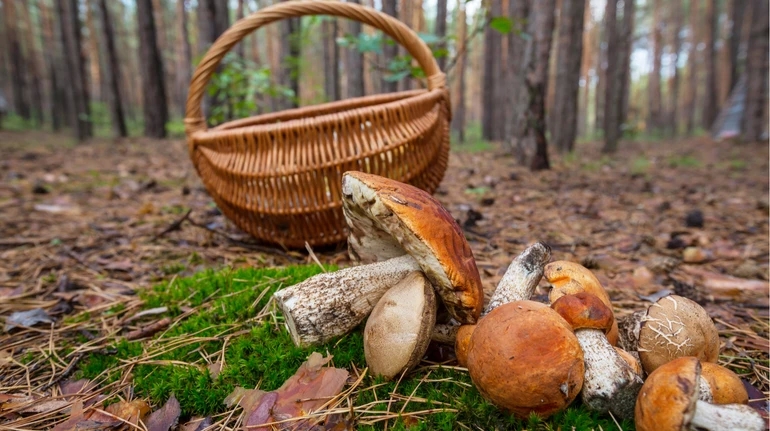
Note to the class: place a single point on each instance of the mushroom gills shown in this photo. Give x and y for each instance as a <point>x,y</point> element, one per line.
<point>398,330</point>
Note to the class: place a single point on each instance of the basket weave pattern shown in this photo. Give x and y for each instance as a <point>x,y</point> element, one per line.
<point>277,176</point>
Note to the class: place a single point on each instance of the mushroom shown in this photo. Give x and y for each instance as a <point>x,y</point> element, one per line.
<point>524,358</point>
<point>669,401</point>
<point>631,360</point>
<point>674,327</point>
<point>609,384</point>
<point>399,229</point>
<point>722,385</point>
<point>398,330</point>
<point>570,278</point>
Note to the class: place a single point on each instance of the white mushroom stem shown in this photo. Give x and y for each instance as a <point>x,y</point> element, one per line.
<point>704,390</point>
<point>609,383</point>
<point>332,304</point>
<point>732,417</point>
<point>522,277</point>
<point>518,283</point>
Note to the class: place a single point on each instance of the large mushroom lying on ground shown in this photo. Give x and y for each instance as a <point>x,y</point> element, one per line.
<point>396,229</point>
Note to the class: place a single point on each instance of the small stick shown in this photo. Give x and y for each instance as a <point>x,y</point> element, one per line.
<point>173,226</point>
<point>148,330</point>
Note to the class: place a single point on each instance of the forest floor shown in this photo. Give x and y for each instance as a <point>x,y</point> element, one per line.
<point>82,227</point>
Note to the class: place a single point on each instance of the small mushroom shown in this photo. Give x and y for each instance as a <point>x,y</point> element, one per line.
<point>399,229</point>
<point>723,385</point>
<point>669,401</point>
<point>398,330</point>
<point>569,278</point>
<point>610,384</point>
<point>674,327</point>
<point>524,358</point>
<point>631,360</point>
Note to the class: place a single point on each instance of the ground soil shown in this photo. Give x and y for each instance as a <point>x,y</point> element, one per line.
<point>113,216</point>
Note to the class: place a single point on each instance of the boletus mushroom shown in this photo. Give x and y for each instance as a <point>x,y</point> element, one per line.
<point>524,358</point>
<point>398,330</point>
<point>610,384</point>
<point>395,229</point>
<point>669,401</point>
<point>721,386</point>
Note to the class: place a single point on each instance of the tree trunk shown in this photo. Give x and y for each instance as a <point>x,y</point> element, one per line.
<point>612,90</point>
<point>151,64</point>
<point>568,74</point>
<point>542,20</point>
<point>737,12</point>
<point>676,45</point>
<point>34,67</point>
<point>515,105</point>
<point>183,56</point>
<point>754,120</point>
<point>207,28</point>
<point>389,51</point>
<point>711,105</point>
<point>288,71</point>
<point>75,81</point>
<point>586,64</point>
<point>492,76</point>
<point>693,65</point>
<point>222,16</point>
<point>331,60</point>
<point>654,114</point>
<point>627,41</point>
<point>441,16</point>
<point>94,77</point>
<point>601,75</point>
<point>458,112</point>
<point>16,59</point>
<point>112,71</point>
<point>240,48</point>
<point>355,61</point>
<point>53,65</point>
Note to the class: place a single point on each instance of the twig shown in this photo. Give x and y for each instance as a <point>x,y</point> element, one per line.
<point>148,330</point>
<point>173,226</point>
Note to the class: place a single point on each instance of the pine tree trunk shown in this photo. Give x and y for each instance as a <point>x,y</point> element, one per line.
<point>441,17</point>
<point>568,74</point>
<point>654,114</point>
<point>240,48</point>
<point>222,16</point>
<point>151,65</point>
<point>94,77</point>
<point>75,81</point>
<point>627,40</point>
<point>586,64</point>
<point>543,22</point>
<point>693,65</point>
<point>183,56</point>
<point>389,51</point>
<point>612,90</point>
<point>53,66</point>
<point>754,120</point>
<point>112,71</point>
<point>492,74</point>
<point>458,111</point>
<point>331,60</point>
<point>601,76</point>
<point>711,105</point>
<point>515,106</point>
<point>36,78</point>
<point>16,58</point>
<point>676,45</point>
<point>737,13</point>
<point>355,63</point>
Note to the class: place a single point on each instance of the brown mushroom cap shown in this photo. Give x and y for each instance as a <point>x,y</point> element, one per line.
<point>584,310</point>
<point>674,327</point>
<point>398,331</point>
<point>388,218</point>
<point>524,358</point>
<point>726,386</point>
<point>668,397</point>
<point>569,278</point>
<point>463,343</point>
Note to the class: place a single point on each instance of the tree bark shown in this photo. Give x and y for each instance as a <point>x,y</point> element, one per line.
<point>331,60</point>
<point>754,120</point>
<point>711,105</point>
<point>16,58</point>
<point>515,106</point>
<point>112,71</point>
<point>222,16</point>
<point>389,51</point>
<point>492,76</point>
<point>568,74</point>
<point>458,112</point>
<point>183,56</point>
<point>612,90</point>
<point>75,81</point>
<point>693,65</point>
<point>654,114</point>
<point>541,28</point>
<point>676,45</point>
<point>627,42</point>
<point>53,66</point>
<point>240,48</point>
<point>355,61</point>
<point>441,16</point>
<point>34,67</point>
<point>94,78</point>
<point>288,72</point>
<point>151,65</point>
<point>737,13</point>
<point>586,65</point>
<point>601,75</point>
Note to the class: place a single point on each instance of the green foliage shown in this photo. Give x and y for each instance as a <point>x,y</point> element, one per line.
<point>501,24</point>
<point>685,161</point>
<point>640,165</point>
<point>474,143</point>
<point>15,123</point>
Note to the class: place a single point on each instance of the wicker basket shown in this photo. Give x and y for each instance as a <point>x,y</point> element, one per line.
<point>277,176</point>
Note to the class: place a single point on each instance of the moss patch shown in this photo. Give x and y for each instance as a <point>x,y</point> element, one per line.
<point>222,315</point>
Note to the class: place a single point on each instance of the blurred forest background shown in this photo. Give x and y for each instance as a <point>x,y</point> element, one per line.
<point>530,74</point>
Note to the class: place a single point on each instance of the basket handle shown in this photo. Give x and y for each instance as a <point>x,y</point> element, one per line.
<point>194,120</point>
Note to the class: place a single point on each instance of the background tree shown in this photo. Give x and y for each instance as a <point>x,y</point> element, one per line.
<point>675,12</point>
<point>693,66</point>
<point>626,43</point>
<point>34,67</point>
<point>654,113</point>
<point>492,79</point>
<point>755,113</point>
<point>737,12</point>
<point>514,88</point>
<point>441,20</point>
<point>389,51</point>
<point>458,98</point>
<point>112,71</point>
<point>153,91</point>
<point>711,104</point>
<point>16,60</point>
<point>568,74</point>
<point>612,99</point>
<point>355,62</point>
<point>75,81</point>
<point>184,56</point>
<point>331,60</point>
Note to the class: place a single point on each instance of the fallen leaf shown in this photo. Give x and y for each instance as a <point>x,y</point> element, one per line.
<point>27,318</point>
<point>214,369</point>
<point>130,411</point>
<point>196,424</point>
<point>657,295</point>
<point>164,418</point>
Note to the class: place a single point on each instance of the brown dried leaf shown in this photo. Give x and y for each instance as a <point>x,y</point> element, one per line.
<point>130,411</point>
<point>164,418</point>
<point>196,424</point>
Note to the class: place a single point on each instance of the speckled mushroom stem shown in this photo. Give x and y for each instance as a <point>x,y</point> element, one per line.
<point>332,304</point>
<point>729,417</point>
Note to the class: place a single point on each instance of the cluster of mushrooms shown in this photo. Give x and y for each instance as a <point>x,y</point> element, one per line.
<point>417,281</point>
